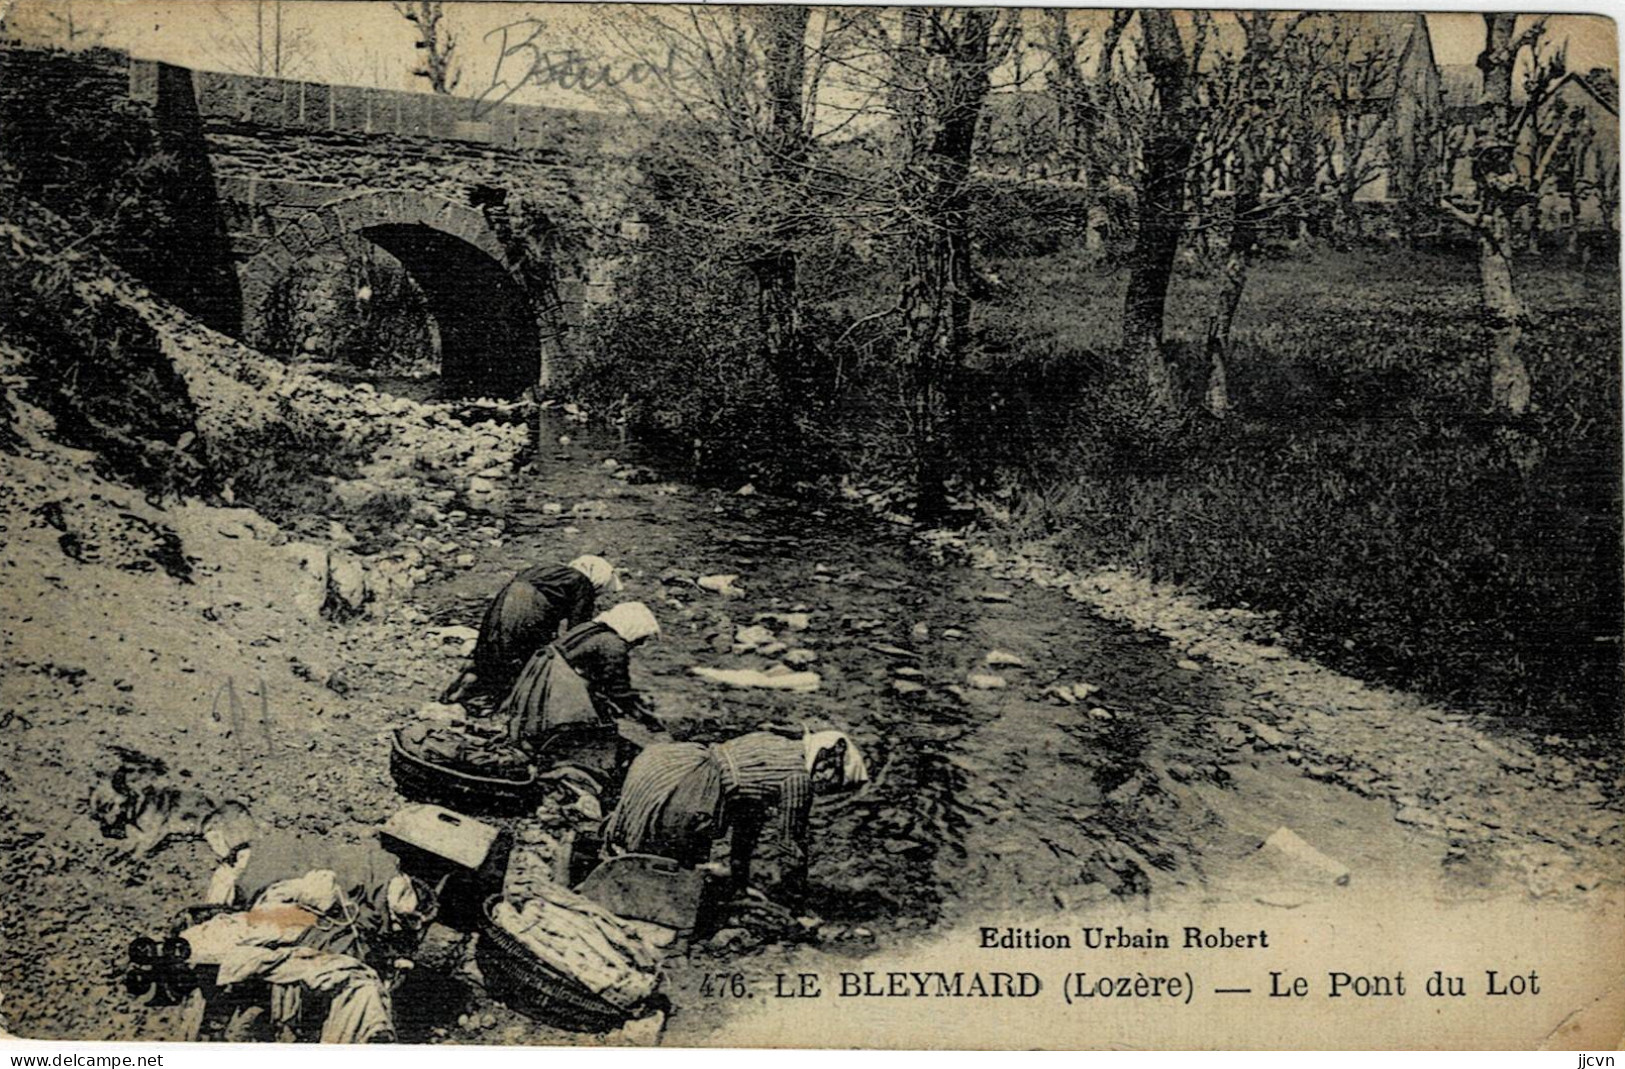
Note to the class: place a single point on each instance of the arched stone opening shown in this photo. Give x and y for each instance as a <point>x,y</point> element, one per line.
<point>491,328</point>
<point>488,332</point>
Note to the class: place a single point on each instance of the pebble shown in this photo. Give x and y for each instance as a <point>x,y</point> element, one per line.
<point>1266,736</point>
<point>1287,844</point>
<point>985,681</point>
<point>721,584</point>
<point>748,638</point>
<point>1188,666</point>
<point>1417,817</point>
<point>1004,659</point>
<point>793,621</point>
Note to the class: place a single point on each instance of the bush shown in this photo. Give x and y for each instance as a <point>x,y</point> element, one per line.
<point>100,371</point>
<point>678,360</point>
<point>1358,488</point>
<point>281,467</point>
<point>375,521</point>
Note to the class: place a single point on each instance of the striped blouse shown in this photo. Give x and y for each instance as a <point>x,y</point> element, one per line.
<point>769,769</point>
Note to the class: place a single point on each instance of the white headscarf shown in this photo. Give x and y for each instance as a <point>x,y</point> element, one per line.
<point>600,572</point>
<point>632,620</point>
<point>854,773</point>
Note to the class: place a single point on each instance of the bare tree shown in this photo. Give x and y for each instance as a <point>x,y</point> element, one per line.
<point>1261,110</point>
<point>1501,182</point>
<point>356,66</point>
<point>942,62</point>
<point>1558,142</point>
<point>729,97</point>
<point>786,147</point>
<point>1169,144</point>
<point>259,38</point>
<point>1357,65</point>
<point>1247,153</point>
<point>1078,107</point>
<point>437,65</point>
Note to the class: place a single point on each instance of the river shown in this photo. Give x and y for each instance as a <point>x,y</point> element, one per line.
<point>1003,798</point>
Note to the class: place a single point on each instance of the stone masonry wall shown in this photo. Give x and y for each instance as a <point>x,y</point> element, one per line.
<point>282,149</point>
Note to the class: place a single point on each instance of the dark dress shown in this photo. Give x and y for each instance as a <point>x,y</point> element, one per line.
<point>524,617</point>
<point>583,678</point>
<point>603,660</point>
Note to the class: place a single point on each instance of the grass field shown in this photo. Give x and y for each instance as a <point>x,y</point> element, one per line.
<point>1359,487</point>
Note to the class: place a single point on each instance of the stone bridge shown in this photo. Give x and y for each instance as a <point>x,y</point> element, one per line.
<point>509,219</point>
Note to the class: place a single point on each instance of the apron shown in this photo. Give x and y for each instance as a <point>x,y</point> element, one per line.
<point>549,694</point>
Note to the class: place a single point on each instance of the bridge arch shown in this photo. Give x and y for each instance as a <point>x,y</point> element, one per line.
<point>492,323</point>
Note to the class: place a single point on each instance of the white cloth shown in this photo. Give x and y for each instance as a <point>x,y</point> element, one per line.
<point>222,936</point>
<point>632,620</point>
<point>223,884</point>
<point>317,890</point>
<point>600,572</point>
<point>854,772</point>
<point>579,938</point>
<point>359,1010</point>
<point>799,682</point>
<point>402,897</point>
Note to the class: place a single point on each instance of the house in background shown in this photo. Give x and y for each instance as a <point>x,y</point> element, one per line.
<point>1413,141</point>
<point>1393,100</point>
<point>1574,136</point>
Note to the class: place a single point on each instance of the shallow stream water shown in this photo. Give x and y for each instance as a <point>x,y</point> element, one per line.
<point>981,798</point>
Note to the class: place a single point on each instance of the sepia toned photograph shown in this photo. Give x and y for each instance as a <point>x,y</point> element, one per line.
<point>575,524</point>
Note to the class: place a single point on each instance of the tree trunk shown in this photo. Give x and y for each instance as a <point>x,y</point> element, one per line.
<point>928,318</point>
<point>1070,92</point>
<point>1503,316</point>
<point>778,306</point>
<point>778,309</point>
<point>936,292</point>
<point>1571,240</point>
<point>1161,209</point>
<point>1096,221</point>
<point>1155,249</point>
<point>1246,207</point>
<point>1496,178</point>
<point>1244,230</point>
